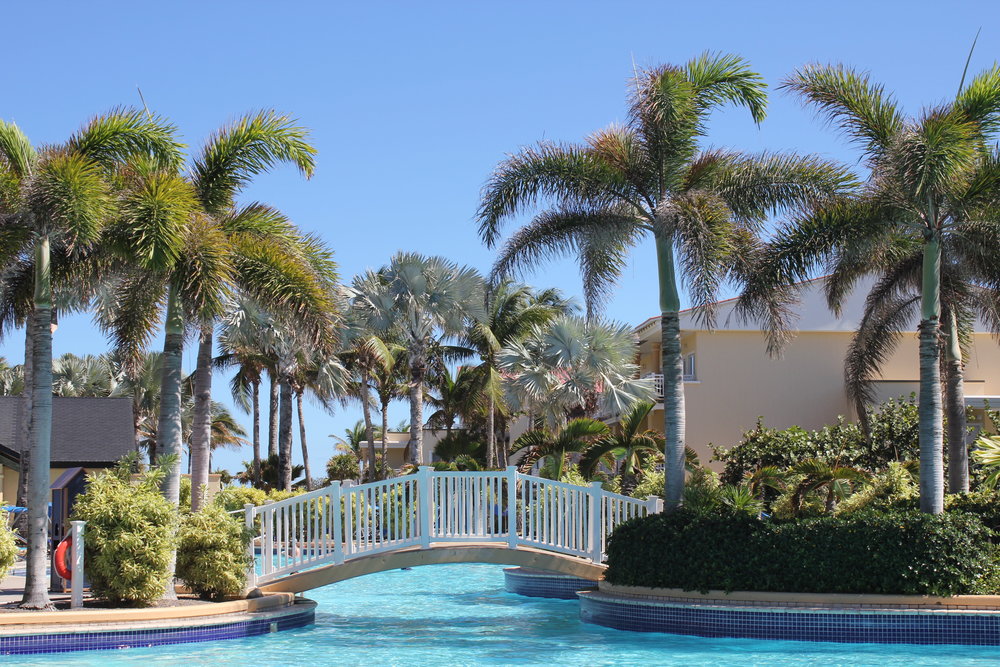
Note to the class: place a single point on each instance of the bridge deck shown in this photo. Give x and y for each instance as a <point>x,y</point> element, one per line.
<point>438,553</point>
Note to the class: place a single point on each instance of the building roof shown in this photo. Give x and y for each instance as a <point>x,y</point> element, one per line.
<point>91,432</point>
<point>811,313</point>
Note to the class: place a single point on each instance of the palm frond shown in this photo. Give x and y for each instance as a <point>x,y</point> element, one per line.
<point>848,99</point>
<point>124,134</point>
<point>17,155</point>
<point>250,146</point>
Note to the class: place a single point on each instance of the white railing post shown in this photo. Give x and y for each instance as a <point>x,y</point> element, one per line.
<point>337,517</point>
<point>267,538</point>
<point>425,494</point>
<point>511,507</point>
<point>595,497</point>
<point>76,578</point>
<point>248,510</point>
<point>654,504</point>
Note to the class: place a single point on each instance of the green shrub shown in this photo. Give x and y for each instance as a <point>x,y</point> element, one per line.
<point>460,443</point>
<point>184,502</point>
<point>231,498</point>
<point>212,557</point>
<point>864,552</point>
<point>894,438</point>
<point>984,504</point>
<point>343,466</point>
<point>8,547</point>
<point>130,534</point>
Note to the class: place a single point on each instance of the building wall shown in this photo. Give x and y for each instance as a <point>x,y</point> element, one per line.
<point>11,477</point>
<point>737,382</point>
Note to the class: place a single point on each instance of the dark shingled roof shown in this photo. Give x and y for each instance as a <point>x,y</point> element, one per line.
<point>92,432</point>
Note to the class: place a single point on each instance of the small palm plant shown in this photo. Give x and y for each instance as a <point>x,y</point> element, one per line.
<point>550,448</point>
<point>625,450</point>
<point>836,481</point>
<point>987,454</point>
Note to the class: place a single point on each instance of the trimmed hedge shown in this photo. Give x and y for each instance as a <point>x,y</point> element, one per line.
<point>865,552</point>
<point>212,556</point>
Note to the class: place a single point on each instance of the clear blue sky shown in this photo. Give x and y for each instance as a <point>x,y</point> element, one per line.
<point>411,104</point>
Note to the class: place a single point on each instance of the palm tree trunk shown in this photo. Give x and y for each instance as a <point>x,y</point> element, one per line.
<point>169,434</point>
<point>285,436</point>
<point>673,376</point>
<point>491,435</point>
<point>255,398</point>
<point>302,440</point>
<point>201,426</point>
<point>958,451</point>
<point>272,416</point>
<point>366,411</point>
<point>929,404</point>
<point>26,433</point>
<point>385,431</point>
<point>417,413</point>
<point>36,588</point>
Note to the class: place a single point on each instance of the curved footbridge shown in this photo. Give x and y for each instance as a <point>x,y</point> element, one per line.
<point>345,531</point>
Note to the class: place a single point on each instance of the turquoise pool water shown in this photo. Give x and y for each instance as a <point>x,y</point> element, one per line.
<point>461,615</point>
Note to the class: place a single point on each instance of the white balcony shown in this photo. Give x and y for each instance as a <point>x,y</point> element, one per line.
<point>657,379</point>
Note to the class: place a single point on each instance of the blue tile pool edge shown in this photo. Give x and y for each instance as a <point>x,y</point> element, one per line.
<point>543,584</point>
<point>813,625</point>
<point>301,614</point>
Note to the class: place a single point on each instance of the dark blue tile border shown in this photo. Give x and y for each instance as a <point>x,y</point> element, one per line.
<point>881,627</point>
<point>114,639</point>
<point>539,584</point>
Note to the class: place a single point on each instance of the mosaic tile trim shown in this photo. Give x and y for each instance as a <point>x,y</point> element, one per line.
<point>889,627</point>
<point>540,584</point>
<point>103,640</point>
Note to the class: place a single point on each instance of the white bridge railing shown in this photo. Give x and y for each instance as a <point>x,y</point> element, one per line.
<point>342,521</point>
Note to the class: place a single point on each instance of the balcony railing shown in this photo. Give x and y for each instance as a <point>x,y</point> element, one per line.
<point>657,379</point>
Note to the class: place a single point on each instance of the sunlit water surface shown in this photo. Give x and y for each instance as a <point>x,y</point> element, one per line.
<point>461,615</point>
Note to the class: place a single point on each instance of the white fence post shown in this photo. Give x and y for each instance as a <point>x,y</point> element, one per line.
<point>267,538</point>
<point>595,496</point>
<point>654,504</point>
<point>425,493</point>
<point>248,512</point>
<point>337,517</point>
<point>512,507</point>
<point>76,578</point>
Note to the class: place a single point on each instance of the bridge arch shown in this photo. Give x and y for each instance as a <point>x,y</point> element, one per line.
<point>436,554</point>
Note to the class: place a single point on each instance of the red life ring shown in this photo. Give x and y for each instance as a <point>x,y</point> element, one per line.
<point>60,559</point>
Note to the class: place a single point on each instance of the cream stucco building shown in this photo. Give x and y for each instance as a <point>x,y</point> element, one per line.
<point>730,380</point>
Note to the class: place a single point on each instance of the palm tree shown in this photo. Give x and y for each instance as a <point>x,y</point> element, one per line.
<point>625,448</point>
<point>364,355</point>
<point>703,209</point>
<point>572,366</point>
<point>389,384</point>
<point>456,398</point>
<point>550,448</point>
<point>326,379</point>
<point>55,203</point>
<point>816,475</point>
<point>221,249</point>
<point>511,311</point>
<point>420,301</point>
<point>932,188</point>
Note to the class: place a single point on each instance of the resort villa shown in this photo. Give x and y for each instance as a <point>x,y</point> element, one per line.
<point>730,381</point>
<point>89,433</point>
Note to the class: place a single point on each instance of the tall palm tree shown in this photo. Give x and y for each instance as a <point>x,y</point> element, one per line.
<point>55,203</point>
<point>933,184</point>
<point>365,354</point>
<point>551,447</point>
<point>647,177</point>
<point>221,249</point>
<point>421,301</point>
<point>512,310</point>
<point>390,384</point>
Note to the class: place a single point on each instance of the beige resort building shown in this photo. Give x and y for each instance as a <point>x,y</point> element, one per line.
<point>730,380</point>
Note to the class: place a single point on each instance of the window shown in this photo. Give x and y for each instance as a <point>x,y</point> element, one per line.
<point>689,367</point>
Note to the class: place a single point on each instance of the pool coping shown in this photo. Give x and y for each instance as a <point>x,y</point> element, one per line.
<point>19,620</point>
<point>831,601</point>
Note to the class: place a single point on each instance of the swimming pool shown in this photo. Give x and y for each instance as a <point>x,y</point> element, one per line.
<point>461,614</point>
